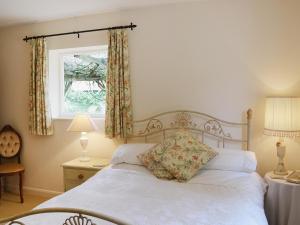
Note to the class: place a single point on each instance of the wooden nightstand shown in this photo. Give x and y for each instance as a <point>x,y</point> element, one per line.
<point>76,172</point>
<point>282,202</point>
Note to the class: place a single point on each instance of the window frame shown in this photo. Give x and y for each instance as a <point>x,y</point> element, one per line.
<point>56,71</point>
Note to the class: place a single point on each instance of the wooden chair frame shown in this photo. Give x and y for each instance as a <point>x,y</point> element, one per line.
<point>18,156</point>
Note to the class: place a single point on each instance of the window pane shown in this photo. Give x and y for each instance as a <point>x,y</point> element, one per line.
<point>84,82</point>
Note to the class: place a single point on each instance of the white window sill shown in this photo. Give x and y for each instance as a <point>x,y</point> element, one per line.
<point>70,118</point>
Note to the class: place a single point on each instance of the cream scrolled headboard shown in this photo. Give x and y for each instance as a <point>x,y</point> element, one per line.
<point>205,126</point>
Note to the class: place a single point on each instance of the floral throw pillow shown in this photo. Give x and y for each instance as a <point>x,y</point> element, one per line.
<point>155,167</point>
<point>182,155</point>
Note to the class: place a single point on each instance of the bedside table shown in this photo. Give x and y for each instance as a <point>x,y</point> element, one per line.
<point>76,172</point>
<point>282,202</point>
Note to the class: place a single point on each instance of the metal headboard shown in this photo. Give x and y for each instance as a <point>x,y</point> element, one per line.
<point>204,125</point>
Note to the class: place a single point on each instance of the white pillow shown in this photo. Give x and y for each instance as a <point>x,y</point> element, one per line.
<point>233,160</point>
<point>127,153</point>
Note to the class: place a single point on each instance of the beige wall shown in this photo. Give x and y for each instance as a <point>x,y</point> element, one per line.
<point>218,57</point>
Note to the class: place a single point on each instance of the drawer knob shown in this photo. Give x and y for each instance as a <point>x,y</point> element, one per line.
<point>80,176</point>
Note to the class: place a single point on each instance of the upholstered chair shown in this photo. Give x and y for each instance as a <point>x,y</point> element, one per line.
<point>10,149</point>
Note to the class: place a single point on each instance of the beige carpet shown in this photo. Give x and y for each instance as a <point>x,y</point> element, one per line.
<point>10,204</point>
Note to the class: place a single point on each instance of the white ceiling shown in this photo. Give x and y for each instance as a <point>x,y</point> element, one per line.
<point>13,12</point>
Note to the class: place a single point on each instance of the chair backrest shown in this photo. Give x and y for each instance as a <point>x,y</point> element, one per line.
<point>10,143</point>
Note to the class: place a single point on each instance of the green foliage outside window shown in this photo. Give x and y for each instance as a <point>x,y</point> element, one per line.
<point>84,83</point>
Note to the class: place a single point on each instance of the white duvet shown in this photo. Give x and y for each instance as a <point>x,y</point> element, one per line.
<point>132,194</point>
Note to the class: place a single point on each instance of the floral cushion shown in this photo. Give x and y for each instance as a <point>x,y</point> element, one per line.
<point>182,155</point>
<point>155,167</point>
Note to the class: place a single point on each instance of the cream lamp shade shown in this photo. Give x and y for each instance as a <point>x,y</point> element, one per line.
<point>282,119</point>
<point>82,123</point>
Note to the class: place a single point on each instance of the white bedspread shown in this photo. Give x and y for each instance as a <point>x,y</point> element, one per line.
<point>132,194</point>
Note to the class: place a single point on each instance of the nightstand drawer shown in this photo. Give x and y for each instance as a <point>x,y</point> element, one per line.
<point>78,174</point>
<point>69,184</point>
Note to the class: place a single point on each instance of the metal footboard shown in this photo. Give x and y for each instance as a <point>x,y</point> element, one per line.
<point>80,217</point>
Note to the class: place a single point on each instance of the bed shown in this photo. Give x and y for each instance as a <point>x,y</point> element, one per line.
<point>127,193</point>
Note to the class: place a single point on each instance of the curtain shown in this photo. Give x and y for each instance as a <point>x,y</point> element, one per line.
<point>40,122</point>
<point>118,114</point>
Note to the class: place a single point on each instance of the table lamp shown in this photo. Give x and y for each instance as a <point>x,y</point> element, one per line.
<point>282,120</point>
<point>82,123</point>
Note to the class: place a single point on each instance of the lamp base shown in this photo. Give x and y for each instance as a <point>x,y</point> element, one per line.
<point>84,159</point>
<point>84,142</point>
<point>275,176</point>
<point>280,173</point>
<point>280,169</point>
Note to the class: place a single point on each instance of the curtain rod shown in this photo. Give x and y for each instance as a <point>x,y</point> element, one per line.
<point>131,26</point>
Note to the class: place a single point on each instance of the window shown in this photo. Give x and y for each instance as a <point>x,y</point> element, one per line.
<point>78,81</point>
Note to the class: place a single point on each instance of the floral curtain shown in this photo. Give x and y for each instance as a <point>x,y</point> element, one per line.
<point>118,115</point>
<point>40,122</point>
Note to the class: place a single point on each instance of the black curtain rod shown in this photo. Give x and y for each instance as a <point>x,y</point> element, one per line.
<point>131,26</point>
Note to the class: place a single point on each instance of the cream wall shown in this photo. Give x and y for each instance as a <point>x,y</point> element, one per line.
<point>218,57</point>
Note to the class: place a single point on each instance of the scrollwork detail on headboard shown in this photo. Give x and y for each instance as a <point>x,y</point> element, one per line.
<point>208,128</point>
<point>183,120</point>
<point>215,128</point>
<point>152,126</point>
